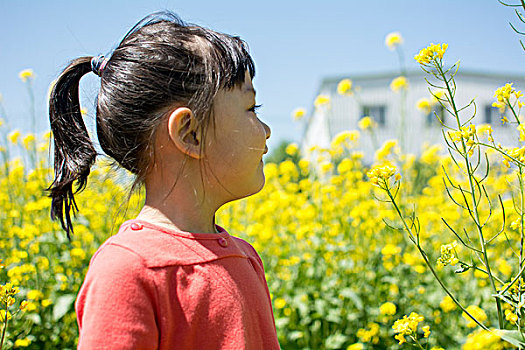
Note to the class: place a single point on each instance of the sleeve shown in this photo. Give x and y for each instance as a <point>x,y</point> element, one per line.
<point>116,303</point>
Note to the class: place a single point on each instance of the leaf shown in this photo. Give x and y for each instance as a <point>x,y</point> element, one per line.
<point>335,341</point>
<point>513,337</point>
<point>62,306</point>
<point>350,294</point>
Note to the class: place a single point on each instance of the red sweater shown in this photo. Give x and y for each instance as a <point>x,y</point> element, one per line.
<point>149,287</point>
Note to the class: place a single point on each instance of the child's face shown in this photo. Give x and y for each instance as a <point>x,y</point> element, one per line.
<point>235,148</point>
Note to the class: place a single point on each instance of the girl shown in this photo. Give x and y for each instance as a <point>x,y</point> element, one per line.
<point>176,107</point>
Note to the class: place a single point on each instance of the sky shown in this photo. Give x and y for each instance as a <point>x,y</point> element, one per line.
<point>295,44</point>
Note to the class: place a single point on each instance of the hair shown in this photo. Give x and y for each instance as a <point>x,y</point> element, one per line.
<point>161,63</point>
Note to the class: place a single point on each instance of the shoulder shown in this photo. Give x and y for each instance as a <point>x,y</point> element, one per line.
<point>247,249</point>
<point>158,247</point>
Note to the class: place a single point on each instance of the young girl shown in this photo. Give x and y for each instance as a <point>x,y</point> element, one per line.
<point>176,107</point>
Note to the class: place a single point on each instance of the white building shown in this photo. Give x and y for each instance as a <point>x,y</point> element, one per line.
<point>374,98</point>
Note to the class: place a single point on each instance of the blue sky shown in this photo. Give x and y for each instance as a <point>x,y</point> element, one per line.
<point>294,43</point>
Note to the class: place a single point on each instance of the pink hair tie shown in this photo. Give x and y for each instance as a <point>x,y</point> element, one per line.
<point>98,64</point>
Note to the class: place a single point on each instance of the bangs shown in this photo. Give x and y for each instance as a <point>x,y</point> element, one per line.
<point>230,59</point>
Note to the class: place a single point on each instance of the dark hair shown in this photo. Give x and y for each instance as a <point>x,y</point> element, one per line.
<point>161,62</point>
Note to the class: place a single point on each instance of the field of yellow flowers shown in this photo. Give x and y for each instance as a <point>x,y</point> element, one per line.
<point>423,252</point>
<point>340,278</point>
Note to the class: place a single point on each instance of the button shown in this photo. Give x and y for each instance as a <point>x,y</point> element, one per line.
<point>135,227</point>
<point>223,242</point>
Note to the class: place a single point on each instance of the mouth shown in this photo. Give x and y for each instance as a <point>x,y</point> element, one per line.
<point>265,149</point>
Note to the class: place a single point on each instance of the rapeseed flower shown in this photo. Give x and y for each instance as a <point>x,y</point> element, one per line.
<point>426,331</point>
<point>484,340</point>
<point>279,303</point>
<point>28,140</point>
<point>22,343</point>
<point>344,87</point>
<point>356,346</point>
<point>393,40</point>
<point>388,309</point>
<point>407,326</point>
<point>477,313</point>
<point>321,100</point>
<point>366,123</point>
<point>399,83</point>
<point>447,304</point>
<point>448,255</point>
<point>380,175</point>
<point>510,316</point>
<point>298,113</point>
<point>423,104</point>
<point>292,149</point>
<point>26,75</point>
<point>431,53</point>
<point>14,136</point>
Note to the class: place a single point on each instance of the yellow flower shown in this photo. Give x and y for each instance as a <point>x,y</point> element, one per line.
<point>2,315</point>
<point>47,302</point>
<point>356,346</point>
<point>447,304</point>
<point>279,303</point>
<point>26,74</point>
<point>14,136</point>
<point>423,104</point>
<point>380,175</point>
<point>510,316</point>
<point>22,342</point>
<point>388,308</point>
<point>426,330</point>
<point>344,87</point>
<point>298,113</point>
<point>344,139</point>
<point>28,140</point>
<point>503,93</point>
<point>83,111</point>
<point>292,149</point>
<point>448,256</point>
<point>407,326</point>
<point>431,53</point>
<point>399,83</point>
<point>477,313</point>
<point>366,123</point>
<point>393,40</point>
<point>321,100</point>
<point>35,294</point>
<point>484,340</point>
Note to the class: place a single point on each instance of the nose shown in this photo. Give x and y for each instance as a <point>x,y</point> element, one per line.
<point>267,130</point>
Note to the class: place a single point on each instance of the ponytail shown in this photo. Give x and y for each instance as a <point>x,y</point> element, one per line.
<point>74,153</point>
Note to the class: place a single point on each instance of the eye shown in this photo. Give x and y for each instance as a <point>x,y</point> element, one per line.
<point>255,108</point>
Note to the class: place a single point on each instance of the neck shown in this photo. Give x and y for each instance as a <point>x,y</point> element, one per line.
<point>177,221</point>
<point>183,209</point>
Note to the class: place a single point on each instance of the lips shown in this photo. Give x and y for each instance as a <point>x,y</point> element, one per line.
<point>265,149</point>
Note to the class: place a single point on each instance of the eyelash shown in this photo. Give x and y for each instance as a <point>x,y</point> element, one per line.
<point>255,108</point>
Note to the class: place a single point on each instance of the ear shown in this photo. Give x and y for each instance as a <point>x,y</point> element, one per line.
<point>184,132</point>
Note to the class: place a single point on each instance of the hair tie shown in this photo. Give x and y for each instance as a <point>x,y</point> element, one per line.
<point>98,64</point>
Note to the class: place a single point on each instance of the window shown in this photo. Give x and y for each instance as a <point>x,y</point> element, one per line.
<point>491,115</point>
<point>377,113</point>
<point>431,119</point>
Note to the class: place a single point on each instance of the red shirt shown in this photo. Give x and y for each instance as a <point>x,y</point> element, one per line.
<point>150,287</point>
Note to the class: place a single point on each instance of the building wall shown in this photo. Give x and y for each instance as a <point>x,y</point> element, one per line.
<point>344,112</point>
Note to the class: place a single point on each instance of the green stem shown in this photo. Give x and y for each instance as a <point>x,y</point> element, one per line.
<point>522,205</point>
<point>513,112</point>
<point>465,155</point>
<point>417,342</point>
<point>425,257</point>
<point>4,329</point>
